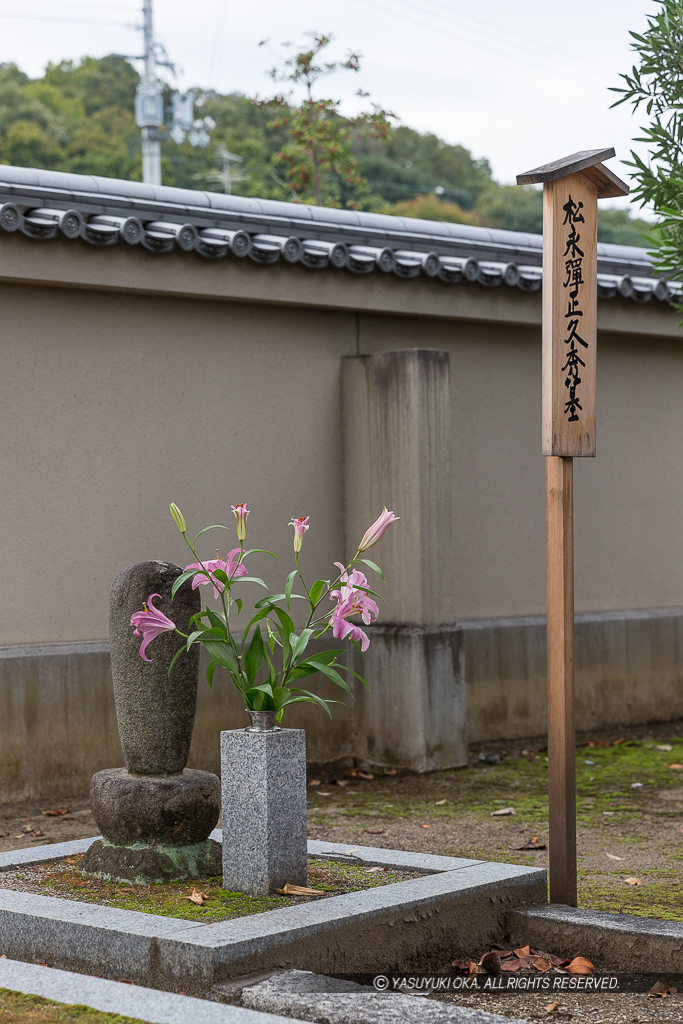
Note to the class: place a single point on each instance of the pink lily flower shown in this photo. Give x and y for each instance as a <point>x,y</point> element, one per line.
<point>228,565</point>
<point>351,596</point>
<point>149,624</point>
<point>241,513</point>
<point>376,531</point>
<point>352,601</point>
<point>300,526</point>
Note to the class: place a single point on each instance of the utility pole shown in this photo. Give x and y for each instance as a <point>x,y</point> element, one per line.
<point>151,149</point>
<point>149,106</point>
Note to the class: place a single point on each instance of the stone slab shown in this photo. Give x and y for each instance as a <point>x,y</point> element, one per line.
<point>314,997</point>
<point>11,859</point>
<point>619,942</point>
<point>127,1000</point>
<point>264,809</point>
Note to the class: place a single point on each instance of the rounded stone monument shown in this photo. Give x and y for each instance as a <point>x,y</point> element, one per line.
<point>155,814</point>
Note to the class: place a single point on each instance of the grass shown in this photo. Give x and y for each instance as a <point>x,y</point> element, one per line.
<point>17,1008</point>
<point>170,899</point>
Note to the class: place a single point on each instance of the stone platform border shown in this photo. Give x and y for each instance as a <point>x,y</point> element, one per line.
<point>622,943</point>
<point>145,1004</point>
<point>417,924</point>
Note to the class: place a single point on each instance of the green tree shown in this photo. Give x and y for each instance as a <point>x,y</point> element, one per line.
<point>656,84</point>
<point>317,157</point>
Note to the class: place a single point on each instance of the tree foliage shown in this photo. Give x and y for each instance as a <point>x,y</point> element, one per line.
<point>317,156</point>
<point>79,117</point>
<point>655,84</point>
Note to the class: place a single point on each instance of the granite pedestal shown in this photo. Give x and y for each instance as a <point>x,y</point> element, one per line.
<point>264,809</point>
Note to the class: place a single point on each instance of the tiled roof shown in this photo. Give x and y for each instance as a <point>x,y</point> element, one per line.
<point>106,211</point>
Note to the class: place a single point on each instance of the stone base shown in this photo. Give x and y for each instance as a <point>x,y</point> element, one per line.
<point>143,865</point>
<point>264,809</point>
<point>155,810</point>
<point>415,714</point>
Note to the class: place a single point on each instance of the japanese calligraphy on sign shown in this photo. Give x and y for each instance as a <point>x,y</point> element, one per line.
<point>569,316</point>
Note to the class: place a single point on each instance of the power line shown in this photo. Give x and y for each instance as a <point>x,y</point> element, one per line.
<point>506,34</point>
<point>441,30</point>
<point>217,40</point>
<point>77,21</point>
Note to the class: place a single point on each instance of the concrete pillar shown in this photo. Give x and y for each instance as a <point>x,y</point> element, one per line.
<point>397,441</point>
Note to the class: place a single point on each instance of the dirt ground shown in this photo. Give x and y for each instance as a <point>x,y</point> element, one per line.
<point>629,834</point>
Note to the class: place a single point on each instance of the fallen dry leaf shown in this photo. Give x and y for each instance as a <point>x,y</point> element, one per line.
<point>580,965</point>
<point>613,856</point>
<point>549,1007</point>
<point>342,782</point>
<point>299,890</point>
<point>513,965</point>
<point>439,803</point>
<point>365,775</point>
<point>56,812</point>
<point>541,964</point>
<point>371,870</point>
<point>533,844</point>
<point>462,965</point>
<point>503,812</point>
<point>472,967</point>
<point>490,962</point>
<point>664,746</point>
<point>660,988</point>
<point>675,767</point>
<point>353,772</point>
<point>374,831</point>
<point>315,782</point>
<point>320,793</point>
<point>425,826</point>
<point>559,961</point>
<point>390,771</point>
<point>633,881</point>
<point>522,951</point>
<point>679,828</point>
<point>196,897</point>
<point>615,743</point>
<point>503,952</point>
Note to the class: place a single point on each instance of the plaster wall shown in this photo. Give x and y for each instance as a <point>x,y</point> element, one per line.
<point>112,406</point>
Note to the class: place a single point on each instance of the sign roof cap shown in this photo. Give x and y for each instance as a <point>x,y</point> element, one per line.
<point>589,161</point>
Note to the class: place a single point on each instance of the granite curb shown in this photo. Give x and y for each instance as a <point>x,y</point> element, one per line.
<point>416,924</point>
<point>144,1004</point>
<point>313,997</point>
<point>622,943</point>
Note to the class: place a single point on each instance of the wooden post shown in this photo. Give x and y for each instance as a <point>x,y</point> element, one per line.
<point>561,741</point>
<point>571,189</point>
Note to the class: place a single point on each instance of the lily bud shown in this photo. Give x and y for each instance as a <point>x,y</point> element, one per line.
<point>178,518</point>
<point>241,512</point>
<point>376,531</point>
<point>300,526</point>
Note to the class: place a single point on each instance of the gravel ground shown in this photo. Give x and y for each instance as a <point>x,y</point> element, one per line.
<point>620,1008</point>
<point>630,807</point>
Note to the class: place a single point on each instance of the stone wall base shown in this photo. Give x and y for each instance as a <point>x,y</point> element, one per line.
<point>58,725</point>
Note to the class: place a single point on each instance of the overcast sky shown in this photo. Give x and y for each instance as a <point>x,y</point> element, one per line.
<point>520,83</point>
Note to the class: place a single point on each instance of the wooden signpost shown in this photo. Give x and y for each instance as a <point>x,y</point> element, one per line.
<point>571,189</point>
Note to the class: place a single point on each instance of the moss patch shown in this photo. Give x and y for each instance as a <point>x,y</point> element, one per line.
<point>17,1008</point>
<point>659,896</point>
<point>629,813</point>
<point>171,899</point>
